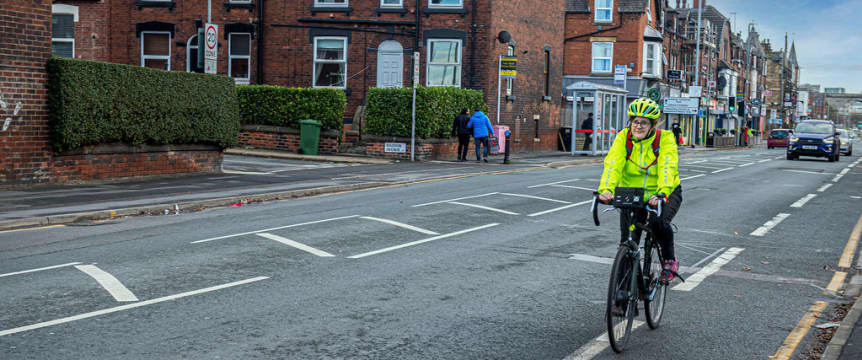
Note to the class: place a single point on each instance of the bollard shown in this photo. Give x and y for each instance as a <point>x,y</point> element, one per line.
<point>506,156</point>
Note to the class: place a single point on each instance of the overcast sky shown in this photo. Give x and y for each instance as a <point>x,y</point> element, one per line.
<point>828,40</point>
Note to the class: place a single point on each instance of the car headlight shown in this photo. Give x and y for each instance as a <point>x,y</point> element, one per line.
<point>794,139</point>
<point>828,141</point>
<point>843,143</point>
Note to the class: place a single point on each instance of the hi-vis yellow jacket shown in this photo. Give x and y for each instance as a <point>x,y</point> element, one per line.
<point>660,178</point>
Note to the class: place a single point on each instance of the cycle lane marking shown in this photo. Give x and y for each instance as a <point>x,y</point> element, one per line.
<point>110,283</point>
<point>694,280</point>
<point>597,345</point>
<point>761,231</point>
<point>295,244</point>
<point>801,202</point>
<point>396,247</point>
<point>39,269</point>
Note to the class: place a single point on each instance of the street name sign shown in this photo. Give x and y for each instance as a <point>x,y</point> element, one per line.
<point>395,147</point>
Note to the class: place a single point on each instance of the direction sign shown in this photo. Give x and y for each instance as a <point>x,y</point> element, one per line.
<point>686,106</point>
<point>211,48</point>
<point>620,75</point>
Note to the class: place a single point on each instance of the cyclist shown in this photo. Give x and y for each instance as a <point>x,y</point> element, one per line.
<point>644,156</point>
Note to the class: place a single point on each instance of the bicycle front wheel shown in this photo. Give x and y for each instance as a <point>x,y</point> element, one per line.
<point>654,306</point>
<point>621,304</point>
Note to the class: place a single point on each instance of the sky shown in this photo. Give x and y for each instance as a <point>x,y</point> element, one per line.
<point>826,32</point>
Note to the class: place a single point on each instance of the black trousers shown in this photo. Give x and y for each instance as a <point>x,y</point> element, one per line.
<point>661,228</point>
<point>588,140</point>
<point>463,144</point>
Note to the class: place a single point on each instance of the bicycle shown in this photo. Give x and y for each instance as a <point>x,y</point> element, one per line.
<point>630,284</point>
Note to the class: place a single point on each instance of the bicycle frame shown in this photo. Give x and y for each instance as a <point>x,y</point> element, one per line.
<point>639,281</point>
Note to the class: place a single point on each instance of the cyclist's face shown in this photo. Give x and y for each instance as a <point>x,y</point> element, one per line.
<point>641,127</point>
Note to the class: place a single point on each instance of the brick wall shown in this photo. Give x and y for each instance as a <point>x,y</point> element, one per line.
<point>91,29</point>
<point>132,164</point>
<point>426,149</point>
<point>282,138</point>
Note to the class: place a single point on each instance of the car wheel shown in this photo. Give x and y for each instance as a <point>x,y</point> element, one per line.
<point>830,158</point>
<point>789,157</point>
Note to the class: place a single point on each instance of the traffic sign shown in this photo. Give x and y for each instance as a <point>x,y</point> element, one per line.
<point>211,48</point>
<point>620,75</point>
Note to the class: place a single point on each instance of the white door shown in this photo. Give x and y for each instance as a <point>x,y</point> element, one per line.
<point>390,64</point>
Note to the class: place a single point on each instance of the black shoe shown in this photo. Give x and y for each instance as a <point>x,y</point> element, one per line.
<point>486,160</point>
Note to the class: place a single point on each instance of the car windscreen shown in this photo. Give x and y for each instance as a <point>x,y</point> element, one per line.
<point>843,134</point>
<point>814,128</point>
<point>779,134</point>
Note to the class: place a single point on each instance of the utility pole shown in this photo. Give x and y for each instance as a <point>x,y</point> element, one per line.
<point>697,69</point>
<point>781,100</point>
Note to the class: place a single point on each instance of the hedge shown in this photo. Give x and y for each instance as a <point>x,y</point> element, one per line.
<point>388,112</point>
<point>283,106</point>
<point>95,103</point>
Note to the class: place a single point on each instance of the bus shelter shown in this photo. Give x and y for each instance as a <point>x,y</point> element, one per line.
<point>608,106</point>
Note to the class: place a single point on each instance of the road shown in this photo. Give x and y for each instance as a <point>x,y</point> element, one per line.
<point>504,266</point>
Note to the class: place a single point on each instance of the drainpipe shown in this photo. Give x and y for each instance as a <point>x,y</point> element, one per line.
<point>473,43</point>
<point>260,42</point>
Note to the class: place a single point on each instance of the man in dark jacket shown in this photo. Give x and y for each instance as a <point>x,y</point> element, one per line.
<point>459,127</point>
<point>676,132</point>
<point>588,136</point>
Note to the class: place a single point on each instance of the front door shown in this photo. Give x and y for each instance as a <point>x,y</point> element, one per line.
<point>390,64</point>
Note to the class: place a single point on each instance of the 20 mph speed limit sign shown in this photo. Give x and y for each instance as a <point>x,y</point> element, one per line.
<point>210,48</point>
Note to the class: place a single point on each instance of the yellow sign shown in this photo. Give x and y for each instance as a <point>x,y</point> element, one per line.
<point>508,67</point>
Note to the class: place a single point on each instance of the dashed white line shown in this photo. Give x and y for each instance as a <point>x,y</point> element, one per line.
<point>275,228</point>
<point>695,162</point>
<point>746,164</point>
<point>402,225</point>
<point>598,345</point>
<point>375,252</point>
<point>707,258</point>
<point>692,177</point>
<point>39,269</point>
<point>560,208</point>
<point>701,166</point>
<point>799,203</point>
<point>764,160</point>
<point>808,172</point>
<point>537,198</point>
<point>837,177</point>
<point>698,171</point>
<point>824,187</point>
<point>484,208</point>
<point>553,183</point>
<point>694,280</point>
<point>114,287</point>
<point>126,307</point>
<point>761,231</point>
<point>725,169</point>
<point>575,187</point>
<point>296,245</point>
<point>844,172</point>
<point>451,200</point>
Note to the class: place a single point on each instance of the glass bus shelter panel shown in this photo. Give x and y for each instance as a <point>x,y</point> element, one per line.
<point>585,104</point>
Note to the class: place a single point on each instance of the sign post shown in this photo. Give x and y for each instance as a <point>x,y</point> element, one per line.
<point>211,48</point>
<point>413,122</point>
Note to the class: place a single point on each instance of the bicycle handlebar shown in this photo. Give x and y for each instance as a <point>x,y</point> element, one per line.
<point>594,207</point>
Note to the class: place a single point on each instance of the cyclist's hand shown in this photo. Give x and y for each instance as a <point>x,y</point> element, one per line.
<point>606,197</point>
<point>653,202</point>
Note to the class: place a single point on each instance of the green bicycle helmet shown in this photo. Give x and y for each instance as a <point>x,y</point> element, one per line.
<point>644,107</point>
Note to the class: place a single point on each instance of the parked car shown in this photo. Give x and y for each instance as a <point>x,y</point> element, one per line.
<point>817,138</point>
<point>778,138</point>
<point>846,139</point>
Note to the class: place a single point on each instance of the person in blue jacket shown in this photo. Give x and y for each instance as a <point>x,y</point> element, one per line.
<point>481,130</point>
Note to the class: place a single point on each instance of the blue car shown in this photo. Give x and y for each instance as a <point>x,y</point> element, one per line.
<point>817,138</point>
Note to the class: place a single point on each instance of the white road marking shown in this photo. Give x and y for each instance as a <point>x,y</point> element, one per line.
<point>725,169</point>
<point>844,172</point>
<point>778,158</point>
<point>126,307</point>
<point>39,269</point>
<point>295,244</point>
<point>375,252</point>
<point>799,203</point>
<point>484,208</point>
<point>701,166</point>
<point>692,177</point>
<point>275,228</point>
<point>761,231</point>
<point>109,282</point>
<point>402,225</point>
<point>553,183</point>
<point>575,187</point>
<point>560,208</point>
<point>237,172</point>
<point>699,171</point>
<point>710,256</point>
<point>855,197</point>
<point>809,172</point>
<point>695,162</point>
<point>598,344</point>
<point>837,177</point>
<point>537,198</point>
<point>824,187</point>
<point>450,200</point>
<point>746,164</point>
<point>764,160</point>
<point>694,280</point>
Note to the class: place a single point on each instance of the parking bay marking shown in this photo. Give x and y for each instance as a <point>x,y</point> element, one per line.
<point>694,280</point>
<point>574,187</point>
<point>451,200</point>
<point>536,197</point>
<point>295,244</point>
<point>799,203</point>
<point>438,237</point>
<point>560,208</point>
<point>127,306</point>
<point>275,228</point>
<point>402,225</point>
<point>725,169</point>
<point>761,231</point>
<point>692,177</point>
<point>484,208</point>
<point>553,183</point>
<point>110,283</point>
<point>39,269</point>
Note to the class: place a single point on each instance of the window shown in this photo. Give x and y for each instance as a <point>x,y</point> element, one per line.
<point>63,35</point>
<point>330,62</point>
<point>604,10</point>
<point>391,3</point>
<point>156,50</point>
<point>239,1</point>
<point>510,51</point>
<point>603,53</point>
<point>446,3</point>
<point>192,55</point>
<point>547,72</point>
<point>330,3</point>
<point>652,59</point>
<point>649,10</point>
<point>239,55</point>
<point>444,63</point>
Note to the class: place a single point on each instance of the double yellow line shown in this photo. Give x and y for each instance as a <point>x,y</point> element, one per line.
<point>792,341</point>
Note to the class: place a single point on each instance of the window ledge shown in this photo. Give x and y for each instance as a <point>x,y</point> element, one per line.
<point>344,9</point>
<point>546,98</point>
<point>453,10</point>
<point>230,5</point>
<point>168,4</point>
<point>601,73</point>
<point>391,9</point>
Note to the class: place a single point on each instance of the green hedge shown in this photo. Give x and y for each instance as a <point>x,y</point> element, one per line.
<point>100,103</point>
<point>388,112</point>
<point>283,106</point>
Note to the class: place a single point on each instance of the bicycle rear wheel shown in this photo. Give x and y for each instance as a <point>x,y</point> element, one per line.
<point>621,304</point>
<point>654,308</point>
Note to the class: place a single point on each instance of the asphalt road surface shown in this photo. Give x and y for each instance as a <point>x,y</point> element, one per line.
<point>506,266</point>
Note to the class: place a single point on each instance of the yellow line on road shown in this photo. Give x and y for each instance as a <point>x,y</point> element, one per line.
<point>850,249</point>
<point>837,281</point>
<point>35,228</point>
<point>786,350</point>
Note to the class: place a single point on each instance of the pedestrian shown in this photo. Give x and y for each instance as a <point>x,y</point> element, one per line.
<point>745,135</point>
<point>749,135</point>
<point>481,130</point>
<point>588,135</point>
<point>459,128</point>
<point>676,132</point>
